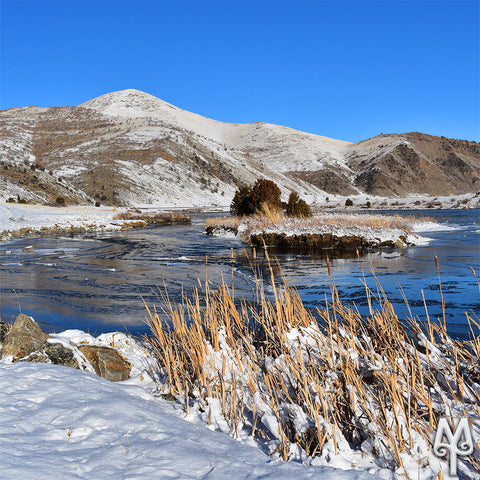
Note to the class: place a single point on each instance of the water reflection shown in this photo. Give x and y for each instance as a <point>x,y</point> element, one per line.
<point>99,282</point>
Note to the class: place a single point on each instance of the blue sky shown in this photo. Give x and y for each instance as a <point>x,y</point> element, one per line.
<point>343,69</point>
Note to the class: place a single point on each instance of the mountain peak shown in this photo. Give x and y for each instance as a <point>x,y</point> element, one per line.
<point>129,103</point>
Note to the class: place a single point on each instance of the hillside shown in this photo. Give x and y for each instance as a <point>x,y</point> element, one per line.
<point>130,148</point>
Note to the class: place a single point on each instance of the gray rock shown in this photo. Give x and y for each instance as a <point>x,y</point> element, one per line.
<point>59,354</point>
<point>36,357</point>
<point>24,337</point>
<point>4,329</point>
<point>53,352</point>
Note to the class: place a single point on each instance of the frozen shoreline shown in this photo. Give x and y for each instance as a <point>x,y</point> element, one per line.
<point>79,425</point>
<point>18,221</point>
<point>58,419</point>
<point>342,231</point>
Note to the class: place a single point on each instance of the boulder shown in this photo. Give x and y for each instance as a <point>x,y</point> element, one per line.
<point>107,362</point>
<point>24,337</point>
<point>59,354</point>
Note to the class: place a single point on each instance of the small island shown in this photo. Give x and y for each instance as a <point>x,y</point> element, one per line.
<point>260,218</point>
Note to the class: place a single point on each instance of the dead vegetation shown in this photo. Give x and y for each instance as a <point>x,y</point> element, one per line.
<point>336,225</point>
<point>154,217</point>
<point>327,384</point>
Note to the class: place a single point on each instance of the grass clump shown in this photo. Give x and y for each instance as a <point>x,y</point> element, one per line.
<point>320,385</point>
<point>154,217</point>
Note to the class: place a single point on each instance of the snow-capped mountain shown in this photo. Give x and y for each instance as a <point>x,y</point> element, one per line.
<point>131,148</point>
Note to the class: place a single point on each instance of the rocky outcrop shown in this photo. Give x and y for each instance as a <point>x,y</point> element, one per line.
<point>4,329</point>
<point>25,341</point>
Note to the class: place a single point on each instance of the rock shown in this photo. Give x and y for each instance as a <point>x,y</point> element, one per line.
<point>107,362</point>
<point>25,340</point>
<point>59,354</point>
<point>4,329</point>
<point>24,337</point>
<point>28,249</point>
<point>36,357</point>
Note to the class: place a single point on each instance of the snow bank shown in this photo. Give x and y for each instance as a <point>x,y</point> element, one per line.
<point>373,229</point>
<point>62,423</point>
<point>38,218</point>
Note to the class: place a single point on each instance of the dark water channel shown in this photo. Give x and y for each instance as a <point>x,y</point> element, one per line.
<point>99,282</point>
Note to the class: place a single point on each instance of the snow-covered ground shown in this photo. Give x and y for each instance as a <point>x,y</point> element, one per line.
<point>60,423</point>
<point>37,218</point>
<point>412,202</point>
<point>272,140</point>
<point>376,229</point>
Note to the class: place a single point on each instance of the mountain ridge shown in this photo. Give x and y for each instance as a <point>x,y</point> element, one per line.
<point>131,148</point>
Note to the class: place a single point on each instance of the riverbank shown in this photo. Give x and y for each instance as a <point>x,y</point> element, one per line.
<point>25,220</point>
<point>261,385</point>
<point>413,202</point>
<point>61,422</point>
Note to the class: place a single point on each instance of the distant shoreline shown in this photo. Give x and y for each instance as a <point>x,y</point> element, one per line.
<point>32,220</point>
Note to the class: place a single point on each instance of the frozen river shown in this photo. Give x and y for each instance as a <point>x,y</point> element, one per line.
<point>99,282</point>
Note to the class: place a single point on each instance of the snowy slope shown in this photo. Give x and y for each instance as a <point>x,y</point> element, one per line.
<point>274,144</point>
<point>60,423</point>
<point>130,148</point>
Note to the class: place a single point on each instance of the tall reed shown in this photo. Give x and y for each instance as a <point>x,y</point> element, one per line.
<point>326,383</point>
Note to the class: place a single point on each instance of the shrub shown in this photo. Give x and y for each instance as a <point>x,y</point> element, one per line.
<point>266,192</point>
<point>97,203</point>
<point>11,200</point>
<point>368,205</point>
<point>60,201</point>
<point>296,207</point>
<point>242,202</point>
<point>249,200</point>
<point>348,202</point>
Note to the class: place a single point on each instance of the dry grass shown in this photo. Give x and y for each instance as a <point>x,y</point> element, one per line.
<point>347,383</point>
<point>223,222</point>
<point>350,224</point>
<point>270,214</point>
<point>154,217</point>
<point>343,220</point>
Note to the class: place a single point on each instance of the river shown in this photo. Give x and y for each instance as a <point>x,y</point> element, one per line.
<point>98,282</point>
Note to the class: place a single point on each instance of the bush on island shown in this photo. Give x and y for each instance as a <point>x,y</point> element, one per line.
<point>242,204</point>
<point>296,207</point>
<point>265,193</point>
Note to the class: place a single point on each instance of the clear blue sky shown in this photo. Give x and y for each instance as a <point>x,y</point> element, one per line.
<point>343,69</point>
